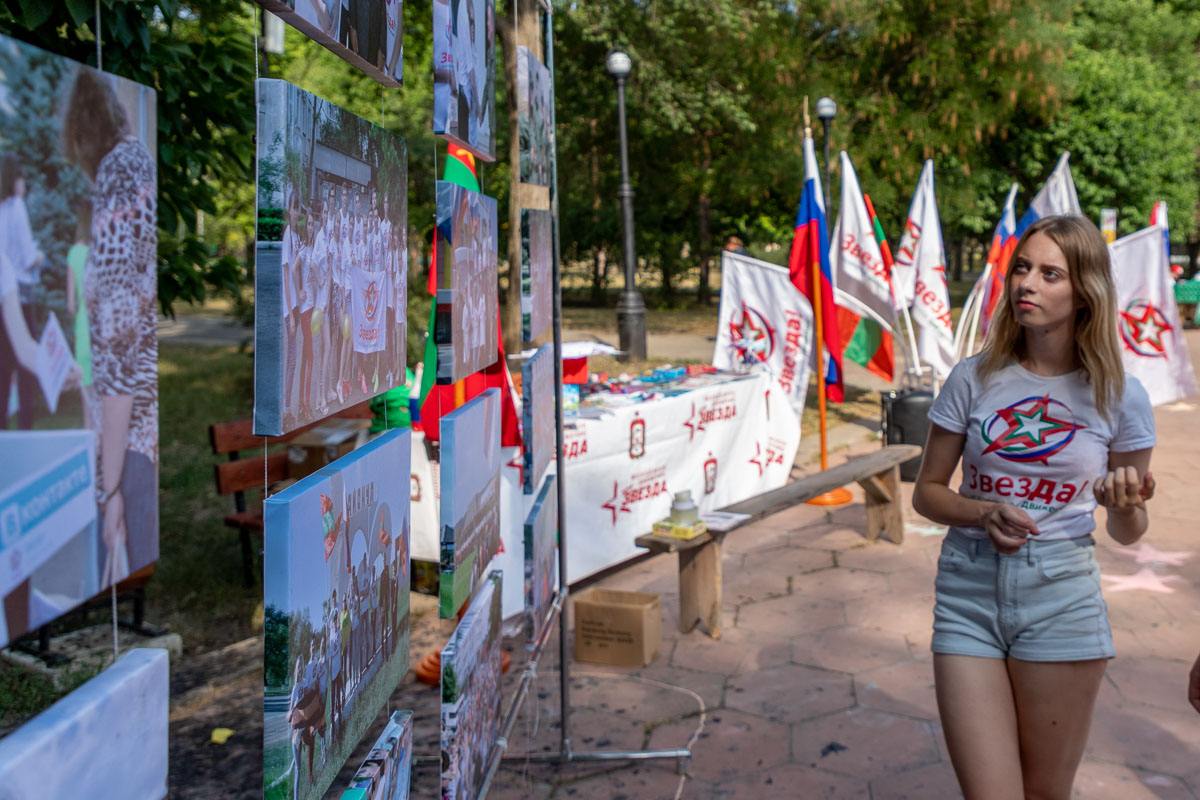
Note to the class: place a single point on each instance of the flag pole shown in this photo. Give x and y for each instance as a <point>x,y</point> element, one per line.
<point>839,496</point>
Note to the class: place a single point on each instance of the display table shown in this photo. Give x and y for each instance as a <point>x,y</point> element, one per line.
<point>724,437</point>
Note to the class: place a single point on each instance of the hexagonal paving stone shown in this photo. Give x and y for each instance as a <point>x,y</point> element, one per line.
<point>841,584</point>
<point>876,744</point>
<point>512,782</point>
<point>1098,780</point>
<point>894,612</point>
<point>904,688</point>
<point>654,694</point>
<point>829,537</point>
<point>792,780</point>
<point>931,782</point>
<point>913,582</point>
<point>883,556</point>
<point>1163,639</point>
<point>1153,681</point>
<point>736,651</point>
<point>632,783</point>
<point>850,648</point>
<point>1146,737</point>
<point>731,745</point>
<point>798,516</point>
<point>753,538</point>
<point>790,693</point>
<point>791,615</point>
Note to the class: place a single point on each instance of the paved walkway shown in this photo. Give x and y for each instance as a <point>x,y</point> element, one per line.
<point>822,684</point>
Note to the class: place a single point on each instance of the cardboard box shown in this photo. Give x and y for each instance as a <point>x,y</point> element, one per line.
<point>620,628</point>
<point>688,530</point>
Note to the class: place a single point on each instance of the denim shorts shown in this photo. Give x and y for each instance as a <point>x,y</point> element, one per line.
<point>1042,603</point>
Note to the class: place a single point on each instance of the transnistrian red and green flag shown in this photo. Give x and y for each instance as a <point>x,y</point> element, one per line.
<point>862,280</point>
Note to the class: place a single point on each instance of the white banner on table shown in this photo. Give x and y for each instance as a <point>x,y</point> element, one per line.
<point>764,321</point>
<point>726,442</point>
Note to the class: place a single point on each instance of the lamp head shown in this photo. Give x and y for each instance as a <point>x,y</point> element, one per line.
<point>826,108</point>
<point>618,63</point>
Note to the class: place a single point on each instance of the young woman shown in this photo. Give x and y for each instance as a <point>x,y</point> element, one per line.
<point>1048,426</point>
<point>291,259</point>
<point>25,259</point>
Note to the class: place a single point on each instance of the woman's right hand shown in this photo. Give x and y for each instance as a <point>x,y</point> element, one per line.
<point>1008,527</point>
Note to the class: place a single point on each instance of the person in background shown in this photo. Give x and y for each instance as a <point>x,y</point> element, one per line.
<point>25,259</point>
<point>121,293</point>
<point>77,305</point>
<point>1048,426</point>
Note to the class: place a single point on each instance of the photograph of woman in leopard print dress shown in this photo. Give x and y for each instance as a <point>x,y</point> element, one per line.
<point>77,153</point>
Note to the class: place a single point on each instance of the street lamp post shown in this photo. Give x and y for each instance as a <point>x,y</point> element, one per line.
<point>826,110</point>
<point>631,310</point>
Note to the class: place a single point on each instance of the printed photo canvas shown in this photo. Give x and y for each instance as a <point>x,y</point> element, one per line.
<point>533,117</point>
<point>470,501</point>
<point>387,769</point>
<point>331,279</point>
<point>541,558</point>
<point>336,578</point>
<point>367,33</point>
<point>464,89</point>
<point>537,415</point>
<point>537,278</point>
<point>471,694</point>
<point>78,342</point>
<point>467,337</point>
<point>107,738</point>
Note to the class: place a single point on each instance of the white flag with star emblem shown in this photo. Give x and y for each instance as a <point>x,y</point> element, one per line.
<point>369,310</point>
<point>1152,345</point>
<point>765,323</point>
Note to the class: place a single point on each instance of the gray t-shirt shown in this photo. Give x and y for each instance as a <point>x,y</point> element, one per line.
<point>1038,443</point>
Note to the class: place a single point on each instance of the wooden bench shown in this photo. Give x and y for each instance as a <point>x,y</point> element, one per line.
<point>700,558</point>
<point>237,474</point>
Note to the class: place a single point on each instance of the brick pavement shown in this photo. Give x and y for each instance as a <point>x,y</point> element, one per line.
<point>822,684</point>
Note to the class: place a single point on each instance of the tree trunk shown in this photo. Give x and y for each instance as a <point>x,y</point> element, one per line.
<point>599,275</point>
<point>704,250</point>
<point>528,33</point>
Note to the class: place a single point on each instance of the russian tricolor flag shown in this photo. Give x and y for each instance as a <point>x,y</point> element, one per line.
<point>810,248</point>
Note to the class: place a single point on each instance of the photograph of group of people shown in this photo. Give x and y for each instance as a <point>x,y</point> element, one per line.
<point>332,278</point>
<point>464,89</point>
<point>367,33</point>
<point>537,415</point>
<point>386,772</point>
<point>541,558</point>
<point>536,275</point>
<point>337,625</point>
<point>78,317</point>
<point>467,267</point>
<point>533,117</point>
<point>471,694</point>
<point>470,498</point>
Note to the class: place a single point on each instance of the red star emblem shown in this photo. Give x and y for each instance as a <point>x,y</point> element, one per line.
<point>611,505</point>
<point>1147,329</point>
<point>751,339</point>
<point>1029,426</point>
<point>755,461</point>
<point>693,426</point>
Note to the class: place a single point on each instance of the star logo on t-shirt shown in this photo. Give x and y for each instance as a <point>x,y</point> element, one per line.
<point>1037,428</point>
<point>1142,326</point>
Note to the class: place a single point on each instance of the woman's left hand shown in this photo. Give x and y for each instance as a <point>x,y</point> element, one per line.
<point>1122,490</point>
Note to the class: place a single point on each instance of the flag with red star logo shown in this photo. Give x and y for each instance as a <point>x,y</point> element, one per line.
<point>1152,345</point>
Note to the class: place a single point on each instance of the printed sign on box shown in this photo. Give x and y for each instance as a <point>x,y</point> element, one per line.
<point>331,270</point>
<point>336,567</point>
<point>79,214</point>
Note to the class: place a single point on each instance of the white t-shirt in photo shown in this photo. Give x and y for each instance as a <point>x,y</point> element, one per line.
<point>1037,442</point>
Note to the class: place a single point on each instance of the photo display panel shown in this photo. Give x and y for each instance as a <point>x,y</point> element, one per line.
<point>464,89</point>
<point>331,280</point>
<point>471,693</point>
<point>366,33</point>
<point>470,501</point>
<point>466,331</point>
<point>78,340</point>
<point>386,772</point>
<point>537,415</point>
<point>537,278</point>
<point>336,586</point>
<point>541,558</point>
<point>533,117</point>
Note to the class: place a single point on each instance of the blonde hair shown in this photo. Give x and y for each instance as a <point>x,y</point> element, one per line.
<point>1090,273</point>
